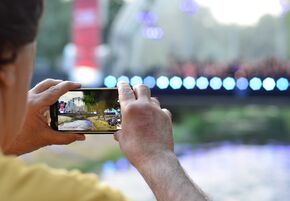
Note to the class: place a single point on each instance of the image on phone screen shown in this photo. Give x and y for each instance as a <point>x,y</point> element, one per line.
<point>91,111</point>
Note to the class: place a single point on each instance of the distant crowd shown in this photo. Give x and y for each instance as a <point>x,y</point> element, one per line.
<point>271,67</point>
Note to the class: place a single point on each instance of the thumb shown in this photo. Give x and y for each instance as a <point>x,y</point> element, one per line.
<point>60,138</point>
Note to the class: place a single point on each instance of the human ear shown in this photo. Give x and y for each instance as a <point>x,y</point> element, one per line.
<point>7,75</point>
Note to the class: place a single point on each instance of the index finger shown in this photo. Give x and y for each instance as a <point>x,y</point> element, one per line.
<point>126,94</point>
<point>44,85</point>
<point>51,95</point>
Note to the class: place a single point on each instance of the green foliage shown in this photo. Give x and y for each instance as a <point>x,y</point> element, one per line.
<point>114,7</point>
<point>241,124</point>
<point>95,166</point>
<point>54,32</point>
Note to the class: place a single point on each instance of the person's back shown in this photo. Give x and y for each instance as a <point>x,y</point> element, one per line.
<point>146,136</point>
<point>22,183</point>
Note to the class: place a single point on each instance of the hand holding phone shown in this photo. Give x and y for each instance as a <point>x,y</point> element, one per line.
<point>35,132</point>
<point>89,111</point>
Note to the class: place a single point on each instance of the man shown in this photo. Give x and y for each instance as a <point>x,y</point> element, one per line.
<point>146,136</point>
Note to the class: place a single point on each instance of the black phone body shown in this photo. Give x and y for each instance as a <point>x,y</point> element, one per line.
<point>87,111</point>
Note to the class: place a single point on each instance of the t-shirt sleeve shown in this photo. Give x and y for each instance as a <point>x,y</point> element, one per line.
<point>41,183</point>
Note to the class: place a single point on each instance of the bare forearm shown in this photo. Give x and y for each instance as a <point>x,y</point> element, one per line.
<point>168,180</point>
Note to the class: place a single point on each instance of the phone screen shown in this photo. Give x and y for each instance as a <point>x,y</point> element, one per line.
<point>88,111</point>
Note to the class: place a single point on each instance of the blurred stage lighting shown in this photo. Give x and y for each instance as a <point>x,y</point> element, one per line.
<point>150,82</point>
<point>110,81</point>
<point>229,83</point>
<point>242,83</point>
<point>189,83</point>
<point>202,83</point>
<point>136,80</point>
<point>216,83</point>
<point>269,84</point>
<point>154,33</point>
<point>163,82</point>
<point>87,76</point>
<point>283,84</point>
<point>176,83</point>
<point>256,84</point>
<point>124,79</point>
<point>189,6</point>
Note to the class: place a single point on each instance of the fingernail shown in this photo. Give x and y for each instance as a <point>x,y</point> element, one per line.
<point>121,82</point>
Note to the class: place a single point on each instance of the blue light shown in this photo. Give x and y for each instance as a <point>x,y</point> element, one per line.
<point>256,84</point>
<point>124,79</point>
<point>176,82</point>
<point>189,6</point>
<point>189,83</point>
<point>283,84</point>
<point>136,80</point>
<point>150,82</point>
<point>242,83</point>
<point>216,83</point>
<point>202,83</point>
<point>163,82</point>
<point>269,84</point>
<point>154,33</point>
<point>110,81</point>
<point>147,18</point>
<point>229,83</point>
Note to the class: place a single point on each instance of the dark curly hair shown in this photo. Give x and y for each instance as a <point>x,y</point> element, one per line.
<point>18,26</point>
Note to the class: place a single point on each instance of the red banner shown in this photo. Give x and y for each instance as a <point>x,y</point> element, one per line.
<point>86,32</point>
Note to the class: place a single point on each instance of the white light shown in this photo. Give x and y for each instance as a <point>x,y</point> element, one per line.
<point>241,12</point>
<point>150,82</point>
<point>176,82</point>
<point>110,81</point>
<point>229,83</point>
<point>136,80</point>
<point>256,84</point>
<point>189,83</point>
<point>242,83</point>
<point>202,83</point>
<point>269,84</point>
<point>87,76</point>
<point>216,83</point>
<point>163,82</point>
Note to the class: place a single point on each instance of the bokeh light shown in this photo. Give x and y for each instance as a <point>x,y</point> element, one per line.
<point>150,82</point>
<point>136,80</point>
<point>256,84</point>
<point>110,81</point>
<point>163,82</point>
<point>229,83</point>
<point>216,83</point>
<point>202,83</point>
<point>269,84</point>
<point>189,83</point>
<point>283,84</point>
<point>176,82</point>
<point>242,83</point>
<point>124,79</point>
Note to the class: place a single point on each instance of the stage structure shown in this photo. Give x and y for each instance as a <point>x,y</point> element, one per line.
<point>81,55</point>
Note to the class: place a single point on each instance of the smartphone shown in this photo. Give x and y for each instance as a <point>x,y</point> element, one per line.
<point>87,111</point>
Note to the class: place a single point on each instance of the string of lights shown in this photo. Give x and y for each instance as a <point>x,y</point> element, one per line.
<point>202,83</point>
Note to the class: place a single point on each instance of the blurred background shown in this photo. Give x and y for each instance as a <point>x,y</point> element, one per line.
<point>221,66</point>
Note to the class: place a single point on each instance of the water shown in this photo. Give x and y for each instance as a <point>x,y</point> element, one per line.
<point>225,172</point>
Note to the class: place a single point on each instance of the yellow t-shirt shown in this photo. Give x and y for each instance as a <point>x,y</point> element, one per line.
<point>40,183</point>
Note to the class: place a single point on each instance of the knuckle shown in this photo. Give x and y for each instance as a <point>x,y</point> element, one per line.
<point>126,90</point>
<point>140,109</point>
<point>53,89</point>
<point>48,80</point>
